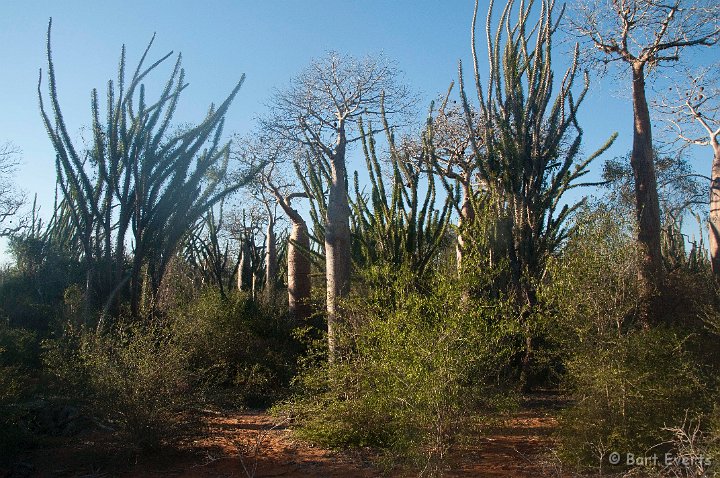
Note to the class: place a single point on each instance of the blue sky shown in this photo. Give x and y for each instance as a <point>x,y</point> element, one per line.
<point>269,41</point>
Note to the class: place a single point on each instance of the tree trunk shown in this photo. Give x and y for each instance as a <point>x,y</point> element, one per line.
<point>467,215</point>
<point>646,196</point>
<point>270,260</point>
<point>245,275</point>
<point>714,225</point>
<point>298,271</point>
<point>337,239</point>
<point>299,285</point>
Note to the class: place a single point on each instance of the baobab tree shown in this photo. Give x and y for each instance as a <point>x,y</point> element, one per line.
<point>276,158</point>
<point>693,110</point>
<point>320,110</point>
<point>644,35</point>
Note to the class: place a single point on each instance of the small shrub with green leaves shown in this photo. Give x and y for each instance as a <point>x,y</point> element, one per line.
<point>238,346</point>
<point>628,389</point>
<point>413,365</point>
<point>628,384</point>
<point>18,362</point>
<point>134,376</point>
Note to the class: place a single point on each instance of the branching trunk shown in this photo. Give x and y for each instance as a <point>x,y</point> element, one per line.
<point>647,204</point>
<point>298,272</point>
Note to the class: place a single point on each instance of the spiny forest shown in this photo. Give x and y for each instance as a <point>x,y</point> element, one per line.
<point>397,317</point>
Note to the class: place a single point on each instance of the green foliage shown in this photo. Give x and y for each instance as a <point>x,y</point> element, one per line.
<point>18,359</point>
<point>145,378</point>
<point>628,389</point>
<point>397,225</point>
<point>238,346</point>
<point>142,177</point>
<point>135,376</point>
<point>592,286</point>
<point>412,365</point>
<point>628,384</point>
<point>525,136</point>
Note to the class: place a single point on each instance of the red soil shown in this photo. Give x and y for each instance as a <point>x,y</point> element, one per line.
<point>254,444</point>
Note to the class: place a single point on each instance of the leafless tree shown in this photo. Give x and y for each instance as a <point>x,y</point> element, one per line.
<point>692,108</point>
<point>320,110</point>
<point>644,34</point>
<point>449,144</point>
<point>11,199</point>
<point>274,187</point>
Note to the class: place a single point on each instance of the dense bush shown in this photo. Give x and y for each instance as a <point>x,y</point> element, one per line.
<point>238,345</point>
<point>137,377</point>
<point>629,384</point>
<point>628,388</point>
<point>146,378</point>
<point>18,357</point>
<point>413,365</point>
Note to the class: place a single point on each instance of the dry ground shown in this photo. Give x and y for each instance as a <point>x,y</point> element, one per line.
<point>254,444</point>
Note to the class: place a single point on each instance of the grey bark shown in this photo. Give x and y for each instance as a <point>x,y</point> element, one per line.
<point>271,265</point>
<point>245,274</point>
<point>337,238</point>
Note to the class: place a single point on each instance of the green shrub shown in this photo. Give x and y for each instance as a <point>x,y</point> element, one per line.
<point>18,359</point>
<point>628,388</point>
<point>629,385</point>
<point>13,386</point>
<point>413,365</point>
<point>238,346</point>
<point>134,376</point>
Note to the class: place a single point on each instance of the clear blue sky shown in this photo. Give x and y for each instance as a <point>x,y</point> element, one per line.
<point>269,41</point>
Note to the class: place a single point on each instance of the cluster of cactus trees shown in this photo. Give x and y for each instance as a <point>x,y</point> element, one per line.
<point>488,172</point>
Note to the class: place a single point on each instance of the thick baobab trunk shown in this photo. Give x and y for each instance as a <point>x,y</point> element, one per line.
<point>245,274</point>
<point>714,225</point>
<point>299,285</point>
<point>337,239</point>
<point>298,271</point>
<point>646,195</point>
<point>271,265</point>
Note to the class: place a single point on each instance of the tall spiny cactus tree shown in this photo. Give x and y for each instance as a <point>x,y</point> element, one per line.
<point>528,150</point>
<point>142,179</point>
<point>207,249</point>
<point>396,225</point>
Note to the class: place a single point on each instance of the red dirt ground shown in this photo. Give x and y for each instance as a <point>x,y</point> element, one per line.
<point>254,444</point>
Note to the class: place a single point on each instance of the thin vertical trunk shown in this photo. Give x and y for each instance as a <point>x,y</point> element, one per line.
<point>270,260</point>
<point>714,224</point>
<point>245,275</point>
<point>337,239</point>
<point>467,216</point>
<point>646,196</point>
